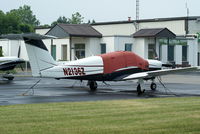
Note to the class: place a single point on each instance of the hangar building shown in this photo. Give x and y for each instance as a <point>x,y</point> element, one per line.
<point>173,40</point>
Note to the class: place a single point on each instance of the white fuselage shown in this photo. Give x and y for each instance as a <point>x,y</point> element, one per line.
<point>87,66</point>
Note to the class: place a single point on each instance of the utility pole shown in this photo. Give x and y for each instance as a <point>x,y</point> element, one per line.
<point>137,14</point>
<point>137,9</point>
<point>187,19</point>
<point>187,8</point>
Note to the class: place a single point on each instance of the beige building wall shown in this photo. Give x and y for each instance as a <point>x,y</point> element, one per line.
<point>115,29</point>
<point>177,27</point>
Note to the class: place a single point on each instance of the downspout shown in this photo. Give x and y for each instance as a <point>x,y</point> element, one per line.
<point>51,46</point>
<point>70,48</point>
<point>187,26</point>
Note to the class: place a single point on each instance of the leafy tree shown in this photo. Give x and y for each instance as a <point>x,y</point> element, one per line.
<point>19,20</point>
<point>91,22</point>
<point>26,28</point>
<point>9,23</point>
<point>61,19</point>
<point>198,36</point>
<point>44,26</point>
<point>25,14</point>
<point>76,18</point>
<point>1,52</point>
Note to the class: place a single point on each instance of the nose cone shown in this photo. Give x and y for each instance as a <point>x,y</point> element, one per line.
<point>155,64</point>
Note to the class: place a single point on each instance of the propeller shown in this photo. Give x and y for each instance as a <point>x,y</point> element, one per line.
<point>163,64</point>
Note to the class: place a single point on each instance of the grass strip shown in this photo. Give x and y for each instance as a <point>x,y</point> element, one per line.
<point>139,116</point>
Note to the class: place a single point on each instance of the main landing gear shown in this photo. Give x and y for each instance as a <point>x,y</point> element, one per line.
<point>8,76</point>
<point>93,85</point>
<point>153,86</point>
<point>141,89</point>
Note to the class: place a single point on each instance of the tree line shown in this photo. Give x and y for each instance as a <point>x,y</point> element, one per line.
<point>22,20</point>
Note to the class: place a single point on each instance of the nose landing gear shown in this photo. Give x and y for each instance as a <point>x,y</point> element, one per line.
<point>140,86</point>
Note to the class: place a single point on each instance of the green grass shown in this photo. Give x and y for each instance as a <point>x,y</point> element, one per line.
<point>141,116</point>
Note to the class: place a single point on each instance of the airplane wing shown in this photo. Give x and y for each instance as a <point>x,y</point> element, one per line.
<point>9,65</point>
<point>156,73</point>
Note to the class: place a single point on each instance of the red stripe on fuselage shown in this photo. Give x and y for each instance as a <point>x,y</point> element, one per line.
<point>85,65</point>
<point>122,59</point>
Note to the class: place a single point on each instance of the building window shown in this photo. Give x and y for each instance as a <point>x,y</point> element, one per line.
<point>170,53</point>
<point>64,52</point>
<point>53,51</point>
<point>80,51</point>
<point>128,47</point>
<point>151,51</point>
<point>103,48</point>
<point>184,53</point>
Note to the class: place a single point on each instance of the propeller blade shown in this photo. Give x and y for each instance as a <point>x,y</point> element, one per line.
<point>168,65</point>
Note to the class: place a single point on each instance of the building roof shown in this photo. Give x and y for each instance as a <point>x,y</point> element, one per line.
<point>154,32</point>
<point>33,36</point>
<point>148,20</point>
<point>74,30</point>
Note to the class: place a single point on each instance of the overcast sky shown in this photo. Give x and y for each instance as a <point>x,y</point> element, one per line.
<point>48,11</point>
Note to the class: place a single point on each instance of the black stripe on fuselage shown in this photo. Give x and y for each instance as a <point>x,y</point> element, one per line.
<point>115,76</point>
<point>154,69</point>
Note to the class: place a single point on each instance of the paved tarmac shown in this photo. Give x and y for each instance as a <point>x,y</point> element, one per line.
<point>19,90</point>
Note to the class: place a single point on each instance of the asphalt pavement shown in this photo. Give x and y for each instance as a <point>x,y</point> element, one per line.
<point>22,90</point>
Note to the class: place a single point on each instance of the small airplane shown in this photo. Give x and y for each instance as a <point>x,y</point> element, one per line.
<point>7,64</point>
<point>114,66</point>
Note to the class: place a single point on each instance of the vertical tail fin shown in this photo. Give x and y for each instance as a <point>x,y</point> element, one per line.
<point>39,57</point>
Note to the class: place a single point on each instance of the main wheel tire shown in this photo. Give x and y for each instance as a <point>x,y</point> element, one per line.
<point>10,78</point>
<point>93,86</point>
<point>139,91</point>
<point>153,86</point>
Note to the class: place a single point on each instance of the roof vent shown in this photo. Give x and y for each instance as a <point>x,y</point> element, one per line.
<point>129,19</point>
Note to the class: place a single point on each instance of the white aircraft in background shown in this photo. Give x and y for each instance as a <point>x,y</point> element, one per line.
<point>7,64</point>
<point>114,66</point>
